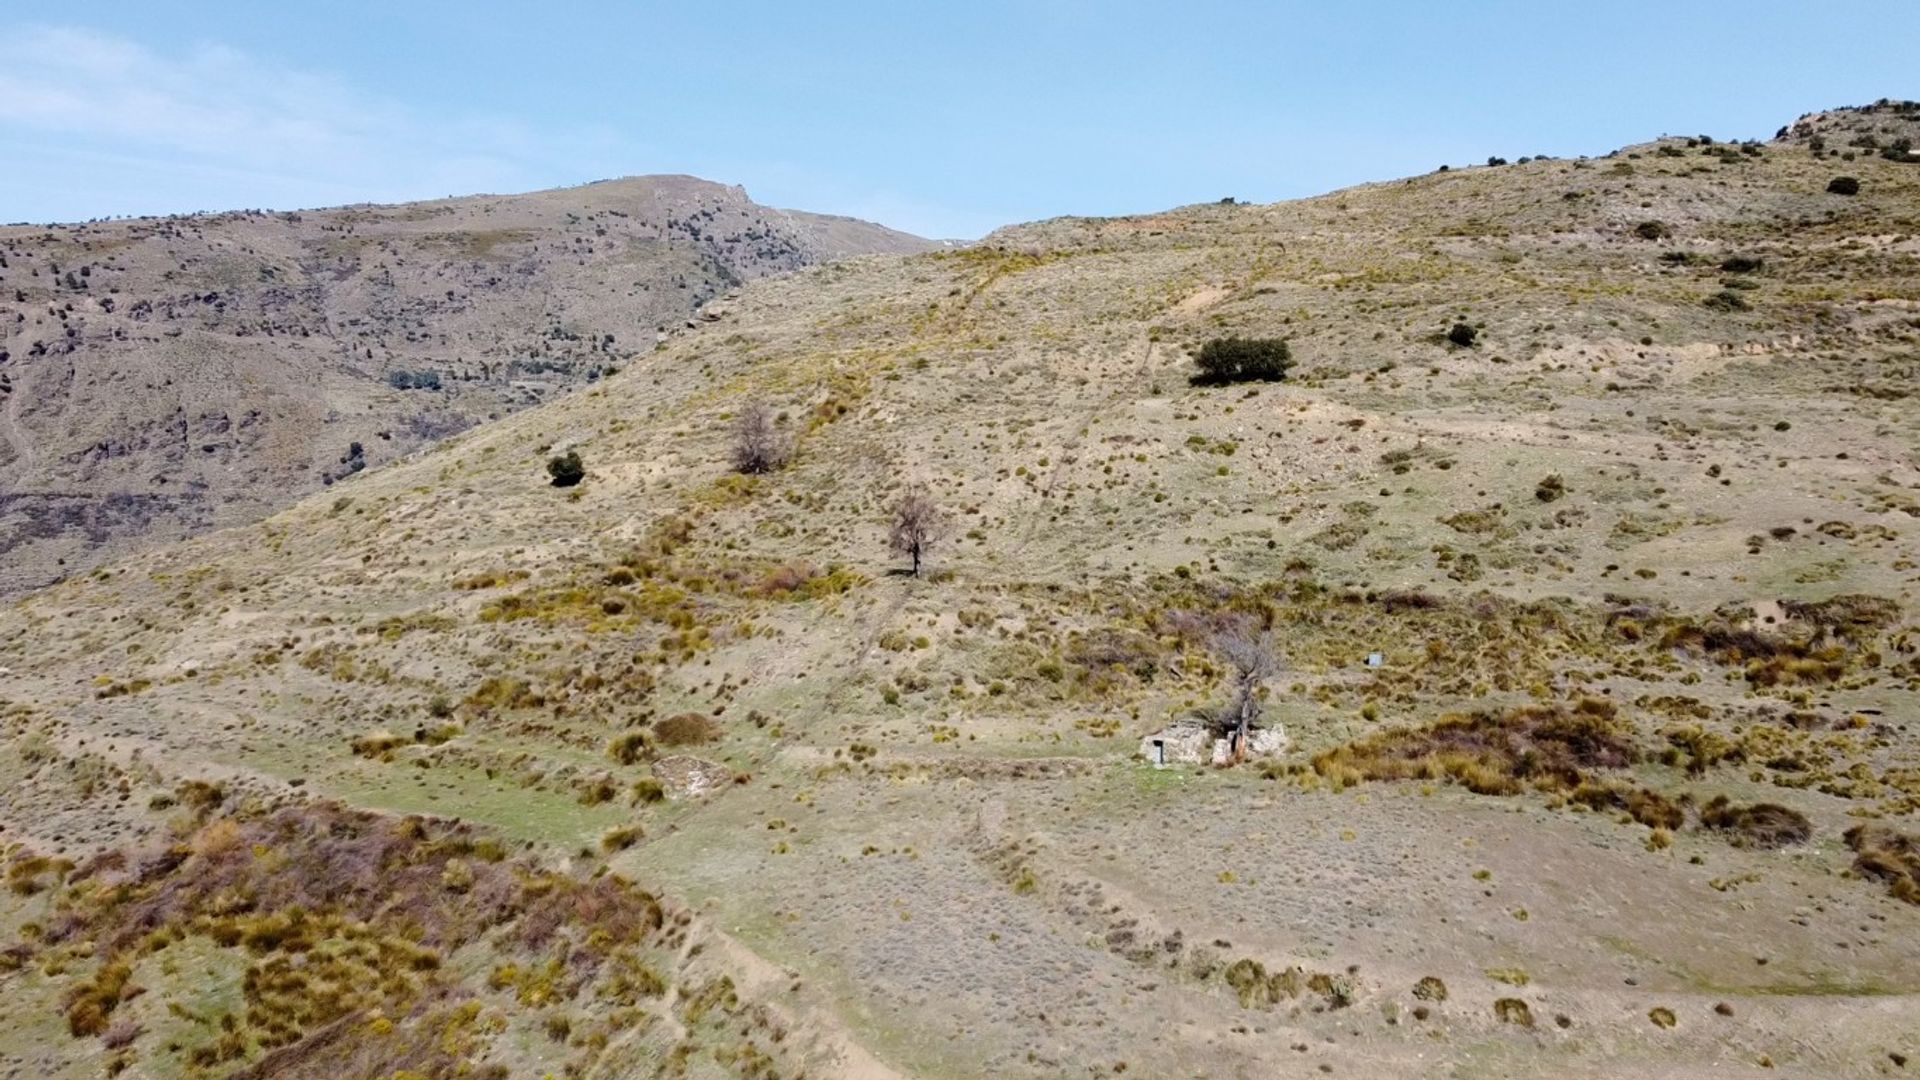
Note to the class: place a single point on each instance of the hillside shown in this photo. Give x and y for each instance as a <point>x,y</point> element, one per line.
<point>1631,790</point>
<point>160,376</point>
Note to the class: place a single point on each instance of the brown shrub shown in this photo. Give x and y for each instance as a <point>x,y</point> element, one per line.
<point>1813,653</point>
<point>1644,805</point>
<point>1886,856</point>
<point>686,729</point>
<point>1762,825</point>
<point>1494,753</point>
<point>1399,600</point>
<point>787,577</point>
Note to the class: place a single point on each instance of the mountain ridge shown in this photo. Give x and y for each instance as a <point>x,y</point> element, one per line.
<point>167,374</point>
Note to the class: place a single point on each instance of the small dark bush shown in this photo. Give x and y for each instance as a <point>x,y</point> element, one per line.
<point>1740,264</point>
<point>1727,300</point>
<point>1233,360</point>
<point>1843,185</point>
<point>1463,335</point>
<point>413,380</point>
<point>1551,488</point>
<point>566,469</point>
<point>1652,230</point>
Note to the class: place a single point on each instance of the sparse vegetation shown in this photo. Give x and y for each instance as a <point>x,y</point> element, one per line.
<point>1609,600</point>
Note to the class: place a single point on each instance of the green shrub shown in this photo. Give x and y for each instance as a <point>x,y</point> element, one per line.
<point>1727,300</point>
<point>1652,230</point>
<point>566,469</point>
<point>1843,185</point>
<point>1233,360</point>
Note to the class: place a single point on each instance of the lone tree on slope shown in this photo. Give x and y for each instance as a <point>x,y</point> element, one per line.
<point>757,444</point>
<point>1254,659</point>
<point>916,526</point>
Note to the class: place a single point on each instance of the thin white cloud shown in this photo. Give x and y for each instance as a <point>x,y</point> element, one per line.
<point>214,128</point>
<point>96,125</point>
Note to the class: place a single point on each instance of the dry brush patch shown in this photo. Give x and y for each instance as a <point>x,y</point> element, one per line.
<point>348,924</point>
<point>1762,825</point>
<point>1885,855</point>
<point>1823,642</point>
<point>1545,747</point>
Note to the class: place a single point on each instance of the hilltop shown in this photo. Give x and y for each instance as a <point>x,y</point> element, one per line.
<point>160,376</point>
<point>1613,462</point>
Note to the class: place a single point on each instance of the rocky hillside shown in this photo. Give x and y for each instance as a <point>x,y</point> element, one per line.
<point>1585,523</point>
<point>158,376</point>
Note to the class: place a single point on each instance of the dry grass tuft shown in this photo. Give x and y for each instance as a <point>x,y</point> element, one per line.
<point>1513,1011</point>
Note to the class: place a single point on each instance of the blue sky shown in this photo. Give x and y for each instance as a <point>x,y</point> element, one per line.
<point>943,119</point>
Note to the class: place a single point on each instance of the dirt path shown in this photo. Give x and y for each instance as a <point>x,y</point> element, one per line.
<point>1123,390</point>
<point>761,979</point>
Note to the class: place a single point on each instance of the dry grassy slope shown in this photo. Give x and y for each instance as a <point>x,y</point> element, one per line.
<point>161,375</point>
<point>938,852</point>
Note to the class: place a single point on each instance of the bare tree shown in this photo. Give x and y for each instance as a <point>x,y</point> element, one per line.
<point>758,446</point>
<point>916,526</point>
<point>1254,659</point>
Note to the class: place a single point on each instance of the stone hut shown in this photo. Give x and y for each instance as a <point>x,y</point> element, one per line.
<point>1190,743</point>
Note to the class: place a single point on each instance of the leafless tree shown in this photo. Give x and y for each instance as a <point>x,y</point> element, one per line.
<point>1254,659</point>
<point>758,446</point>
<point>916,526</point>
